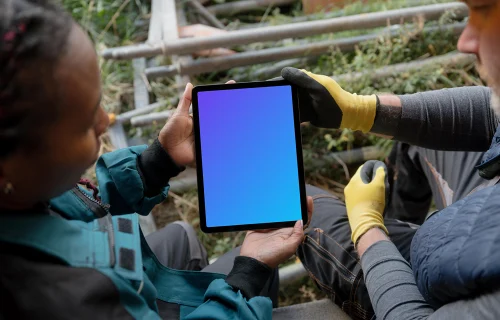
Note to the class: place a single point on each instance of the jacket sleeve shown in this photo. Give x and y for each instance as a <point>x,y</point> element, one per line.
<point>239,296</point>
<point>135,179</point>
<point>459,119</point>
<point>394,293</point>
<point>223,302</point>
<point>391,284</point>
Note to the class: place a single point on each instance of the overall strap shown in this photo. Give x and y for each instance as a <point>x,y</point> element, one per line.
<point>74,242</point>
<point>108,242</point>
<point>183,287</point>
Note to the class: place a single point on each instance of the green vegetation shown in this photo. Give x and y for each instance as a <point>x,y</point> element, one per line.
<point>119,22</point>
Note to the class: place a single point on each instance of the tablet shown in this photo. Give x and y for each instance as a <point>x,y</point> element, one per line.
<point>249,156</point>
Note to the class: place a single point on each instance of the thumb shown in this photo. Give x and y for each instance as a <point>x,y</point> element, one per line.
<point>298,78</point>
<point>297,235</point>
<point>185,102</point>
<point>379,176</point>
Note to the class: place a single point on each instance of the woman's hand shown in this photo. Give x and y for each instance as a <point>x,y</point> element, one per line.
<point>273,247</point>
<point>177,136</point>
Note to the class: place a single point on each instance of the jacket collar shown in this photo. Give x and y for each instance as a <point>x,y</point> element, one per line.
<point>490,163</point>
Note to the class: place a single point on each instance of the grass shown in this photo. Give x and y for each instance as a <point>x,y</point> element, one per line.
<point>120,22</point>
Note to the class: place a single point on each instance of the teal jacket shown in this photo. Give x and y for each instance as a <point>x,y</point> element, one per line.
<point>78,234</point>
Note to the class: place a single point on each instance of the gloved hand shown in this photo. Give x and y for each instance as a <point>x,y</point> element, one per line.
<point>366,197</point>
<point>325,104</point>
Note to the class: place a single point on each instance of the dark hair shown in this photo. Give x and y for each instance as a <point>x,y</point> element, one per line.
<point>33,38</point>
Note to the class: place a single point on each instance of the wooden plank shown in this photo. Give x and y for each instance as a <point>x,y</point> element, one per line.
<point>155,23</point>
<point>141,99</point>
<point>163,27</point>
<point>117,136</point>
<point>181,81</point>
<point>141,92</point>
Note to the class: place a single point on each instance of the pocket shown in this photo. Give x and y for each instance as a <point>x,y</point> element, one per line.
<point>334,266</point>
<point>332,254</point>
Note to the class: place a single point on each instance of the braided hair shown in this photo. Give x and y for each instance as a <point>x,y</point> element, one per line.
<point>33,38</point>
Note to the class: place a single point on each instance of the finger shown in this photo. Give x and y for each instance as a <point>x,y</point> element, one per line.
<point>358,174</point>
<point>185,103</point>
<point>297,236</point>
<point>231,82</point>
<point>368,171</point>
<point>371,170</point>
<point>299,78</point>
<point>380,176</point>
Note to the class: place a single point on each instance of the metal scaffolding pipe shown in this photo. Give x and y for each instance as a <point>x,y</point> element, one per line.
<point>184,184</point>
<point>295,30</point>
<point>207,15</point>
<point>292,273</point>
<point>126,116</point>
<point>147,119</point>
<point>449,59</point>
<point>274,54</point>
<point>230,8</point>
<point>349,156</point>
<point>331,14</point>
<point>248,58</point>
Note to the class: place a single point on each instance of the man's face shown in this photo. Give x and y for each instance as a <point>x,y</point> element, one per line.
<point>482,38</point>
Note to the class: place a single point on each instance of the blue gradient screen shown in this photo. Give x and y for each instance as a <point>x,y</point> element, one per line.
<point>249,156</point>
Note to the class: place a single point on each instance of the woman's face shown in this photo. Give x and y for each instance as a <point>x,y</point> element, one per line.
<point>71,143</point>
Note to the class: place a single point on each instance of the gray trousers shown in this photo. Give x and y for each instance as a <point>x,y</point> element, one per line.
<point>418,176</point>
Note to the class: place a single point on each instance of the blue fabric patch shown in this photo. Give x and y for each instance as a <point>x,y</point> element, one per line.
<point>126,246</point>
<point>125,225</point>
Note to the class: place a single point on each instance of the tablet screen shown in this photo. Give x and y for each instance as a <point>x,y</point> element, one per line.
<point>249,156</point>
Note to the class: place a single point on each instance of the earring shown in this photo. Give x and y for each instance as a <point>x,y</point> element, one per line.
<point>8,189</point>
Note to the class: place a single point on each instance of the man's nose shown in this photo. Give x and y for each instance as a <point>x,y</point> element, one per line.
<point>469,40</point>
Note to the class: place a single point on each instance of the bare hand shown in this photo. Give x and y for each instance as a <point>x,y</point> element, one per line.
<point>177,136</point>
<point>273,247</point>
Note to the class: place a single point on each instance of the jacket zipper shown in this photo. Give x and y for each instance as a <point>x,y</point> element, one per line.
<point>99,209</point>
<point>104,219</point>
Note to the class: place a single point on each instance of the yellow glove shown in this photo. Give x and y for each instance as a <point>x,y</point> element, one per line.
<point>325,104</point>
<point>365,198</point>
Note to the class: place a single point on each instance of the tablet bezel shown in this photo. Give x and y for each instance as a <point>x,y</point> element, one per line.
<point>199,163</point>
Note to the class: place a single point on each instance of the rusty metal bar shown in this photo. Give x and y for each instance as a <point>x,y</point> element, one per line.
<point>200,66</point>
<point>207,15</point>
<point>449,59</point>
<point>295,30</point>
<point>230,8</point>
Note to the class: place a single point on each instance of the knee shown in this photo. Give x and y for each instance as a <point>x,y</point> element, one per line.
<point>313,191</point>
<point>175,229</point>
